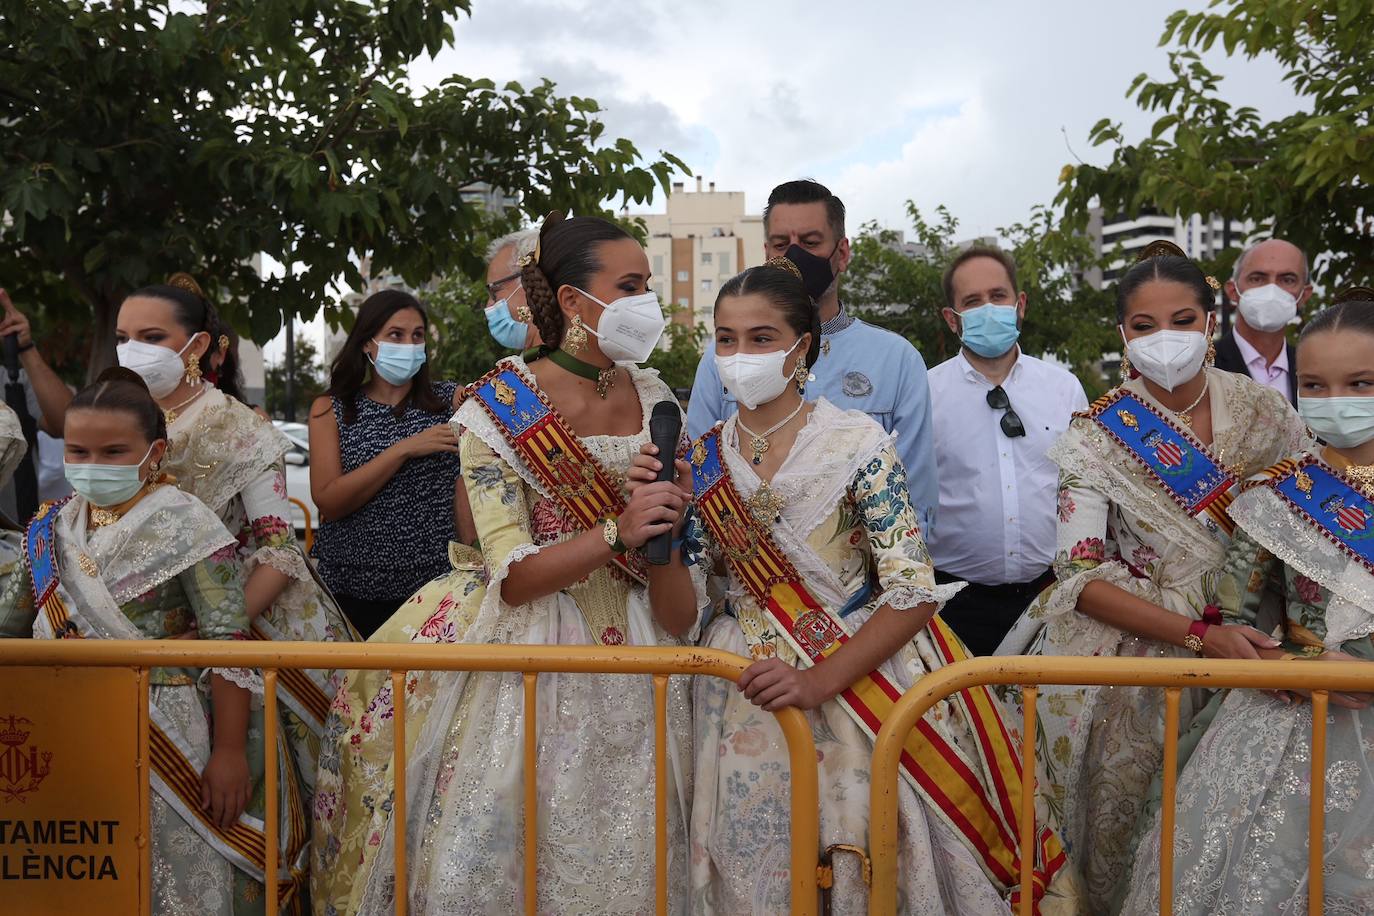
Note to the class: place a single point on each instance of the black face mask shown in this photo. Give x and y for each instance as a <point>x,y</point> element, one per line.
<point>815,270</point>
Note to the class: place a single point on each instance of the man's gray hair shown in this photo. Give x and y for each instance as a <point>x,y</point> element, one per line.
<point>1240,261</point>
<point>524,241</point>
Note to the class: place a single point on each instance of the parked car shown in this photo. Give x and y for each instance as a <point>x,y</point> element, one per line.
<point>298,473</point>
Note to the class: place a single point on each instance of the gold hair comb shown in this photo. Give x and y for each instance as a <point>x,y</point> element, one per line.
<point>781,263</point>
<point>1353,294</point>
<point>1160,248</point>
<point>183,280</point>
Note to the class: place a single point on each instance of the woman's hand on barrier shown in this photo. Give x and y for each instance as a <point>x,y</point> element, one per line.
<point>225,786</point>
<point>1233,640</point>
<point>438,438</point>
<point>654,508</point>
<point>773,684</point>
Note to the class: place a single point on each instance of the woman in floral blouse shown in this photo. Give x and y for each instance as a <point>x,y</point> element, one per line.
<point>1145,475</point>
<point>1301,557</point>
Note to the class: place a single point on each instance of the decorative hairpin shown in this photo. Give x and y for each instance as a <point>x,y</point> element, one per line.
<point>781,263</point>
<point>1353,294</point>
<point>223,343</point>
<point>183,280</point>
<point>1160,248</point>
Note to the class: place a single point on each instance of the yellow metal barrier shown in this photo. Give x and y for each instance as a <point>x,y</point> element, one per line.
<point>1030,671</point>
<point>400,659</point>
<point>309,527</point>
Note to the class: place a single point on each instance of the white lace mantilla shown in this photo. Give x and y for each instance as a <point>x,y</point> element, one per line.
<point>218,446</point>
<point>1272,522</point>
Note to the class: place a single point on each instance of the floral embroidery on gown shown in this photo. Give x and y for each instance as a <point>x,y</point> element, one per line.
<point>1240,839</point>
<point>1102,746</point>
<point>846,522</point>
<point>595,755</point>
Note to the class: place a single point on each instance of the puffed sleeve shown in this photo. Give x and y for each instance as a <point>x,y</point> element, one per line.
<point>900,558</point>
<point>17,611</point>
<point>214,593</point>
<point>499,509</point>
<point>273,540</point>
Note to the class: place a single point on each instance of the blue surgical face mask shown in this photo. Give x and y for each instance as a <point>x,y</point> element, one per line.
<point>990,330</point>
<point>1340,422</point>
<point>504,329</point>
<point>106,484</point>
<point>398,363</point>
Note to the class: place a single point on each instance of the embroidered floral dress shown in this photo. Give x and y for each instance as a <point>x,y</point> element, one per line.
<point>167,565</point>
<point>1240,839</point>
<point>595,754</point>
<point>232,459</point>
<point>846,520</point>
<point>12,449</point>
<point>1102,746</point>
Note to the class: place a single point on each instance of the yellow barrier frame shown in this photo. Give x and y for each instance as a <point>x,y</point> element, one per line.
<point>309,527</point>
<point>1173,674</point>
<point>400,659</point>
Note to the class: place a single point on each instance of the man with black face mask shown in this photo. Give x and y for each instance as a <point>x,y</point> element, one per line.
<point>861,367</point>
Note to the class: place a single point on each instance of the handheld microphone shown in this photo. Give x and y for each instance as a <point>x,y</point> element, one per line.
<point>665,428</point>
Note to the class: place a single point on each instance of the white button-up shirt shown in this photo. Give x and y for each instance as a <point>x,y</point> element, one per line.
<point>998,495</point>
<point>1273,375</point>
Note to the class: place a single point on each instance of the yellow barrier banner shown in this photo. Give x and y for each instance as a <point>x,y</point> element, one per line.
<point>69,790</point>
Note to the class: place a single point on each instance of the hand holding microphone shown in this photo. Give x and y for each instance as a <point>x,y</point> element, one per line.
<point>660,488</point>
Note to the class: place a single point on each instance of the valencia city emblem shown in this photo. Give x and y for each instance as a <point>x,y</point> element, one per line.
<point>22,766</point>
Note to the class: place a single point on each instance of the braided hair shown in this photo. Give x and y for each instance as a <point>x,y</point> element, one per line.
<point>1163,260</point>
<point>120,389</point>
<point>565,256</point>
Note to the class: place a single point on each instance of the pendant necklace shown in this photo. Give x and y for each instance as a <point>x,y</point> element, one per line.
<point>171,413</point>
<point>758,442</point>
<point>1185,416</point>
<point>604,378</point>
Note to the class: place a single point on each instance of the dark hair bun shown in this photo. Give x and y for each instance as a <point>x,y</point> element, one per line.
<point>120,374</point>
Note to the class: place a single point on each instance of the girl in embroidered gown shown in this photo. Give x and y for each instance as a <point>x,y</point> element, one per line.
<point>1137,561</point>
<point>553,573</point>
<point>826,485</point>
<point>139,559</point>
<point>222,452</point>
<point>12,449</point>
<point>1302,547</point>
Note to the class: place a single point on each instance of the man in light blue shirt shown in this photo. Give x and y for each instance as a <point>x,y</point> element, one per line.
<point>861,367</point>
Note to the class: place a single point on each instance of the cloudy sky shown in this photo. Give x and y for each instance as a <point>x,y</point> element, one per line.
<point>973,105</point>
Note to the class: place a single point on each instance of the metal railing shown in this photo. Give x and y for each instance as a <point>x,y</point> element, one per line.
<point>309,527</point>
<point>1030,672</point>
<point>401,659</point>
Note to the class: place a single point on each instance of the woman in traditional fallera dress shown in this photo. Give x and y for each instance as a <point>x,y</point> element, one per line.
<point>139,559</point>
<point>1145,476</point>
<point>13,623</point>
<point>222,452</point>
<point>1303,549</point>
<point>819,492</point>
<point>559,565</point>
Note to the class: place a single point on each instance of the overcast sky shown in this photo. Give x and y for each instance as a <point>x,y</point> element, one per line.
<point>973,105</point>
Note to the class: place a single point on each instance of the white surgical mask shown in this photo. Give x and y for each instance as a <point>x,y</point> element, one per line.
<point>754,378</point>
<point>1168,358</point>
<point>1268,308</point>
<point>1340,422</point>
<point>160,367</point>
<point>629,328</point>
<point>106,484</point>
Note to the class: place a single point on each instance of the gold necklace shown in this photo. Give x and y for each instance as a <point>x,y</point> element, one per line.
<point>101,517</point>
<point>758,442</point>
<point>171,412</point>
<point>1185,416</point>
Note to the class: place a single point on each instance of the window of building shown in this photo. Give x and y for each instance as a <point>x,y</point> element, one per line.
<point>658,265</point>
<point>705,286</point>
<point>725,264</point>
<point>684,302</point>
<point>706,257</point>
<point>683,276</point>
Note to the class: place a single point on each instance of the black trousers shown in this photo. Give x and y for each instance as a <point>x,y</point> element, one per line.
<point>981,615</point>
<point>367,616</point>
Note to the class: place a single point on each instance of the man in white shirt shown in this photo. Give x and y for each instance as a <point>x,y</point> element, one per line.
<point>1269,285</point>
<point>996,412</point>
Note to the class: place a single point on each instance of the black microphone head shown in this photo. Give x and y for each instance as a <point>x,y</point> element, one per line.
<point>665,409</point>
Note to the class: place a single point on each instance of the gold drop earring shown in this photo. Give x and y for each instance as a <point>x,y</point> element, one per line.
<point>575,338</point>
<point>193,373</point>
<point>800,376</point>
<point>1125,368</point>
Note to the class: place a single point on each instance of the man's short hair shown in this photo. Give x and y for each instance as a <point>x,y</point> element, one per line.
<point>524,241</point>
<point>978,251</point>
<point>1240,261</point>
<point>808,191</point>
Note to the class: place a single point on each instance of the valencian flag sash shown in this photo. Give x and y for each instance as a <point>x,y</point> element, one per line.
<point>536,432</point>
<point>1173,458</point>
<point>244,842</point>
<point>1328,502</point>
<point>985,816</point>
